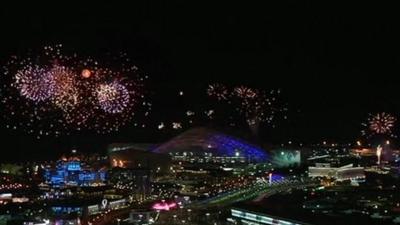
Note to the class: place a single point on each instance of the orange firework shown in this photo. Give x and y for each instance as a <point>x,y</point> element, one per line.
<point>86,73</point>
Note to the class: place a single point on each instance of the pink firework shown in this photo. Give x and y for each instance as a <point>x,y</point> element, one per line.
<point>113,97</point>
<point>49,93</point>
<point>34,83</point>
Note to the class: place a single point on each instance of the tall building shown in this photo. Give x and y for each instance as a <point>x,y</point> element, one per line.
<point>136,181</point>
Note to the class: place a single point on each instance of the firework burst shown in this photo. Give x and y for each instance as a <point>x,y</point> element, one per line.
<point>254,105</point>
<point>65,94</point>
<point>245,92</point>
<point>50,93</point>
<point>379,124</point>
<point>34,83</point>
<point>220,92</point>
<point>113,97</point>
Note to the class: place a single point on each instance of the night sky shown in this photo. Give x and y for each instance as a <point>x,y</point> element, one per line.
<point>333,63</point>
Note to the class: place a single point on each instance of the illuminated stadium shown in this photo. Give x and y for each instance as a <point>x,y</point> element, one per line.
<point>206,144</point>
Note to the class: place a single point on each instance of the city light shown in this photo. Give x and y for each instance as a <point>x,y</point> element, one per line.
<point>164,114</point>
<point>164,206</point>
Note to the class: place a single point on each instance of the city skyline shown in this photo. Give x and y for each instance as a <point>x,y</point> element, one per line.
<point>170,113</point>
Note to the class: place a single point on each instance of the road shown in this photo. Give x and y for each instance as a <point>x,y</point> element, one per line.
<point>258,190</point>
<point>209,211</point>
<point>214,210</point>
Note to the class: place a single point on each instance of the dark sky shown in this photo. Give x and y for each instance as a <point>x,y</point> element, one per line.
<point>335,63</point>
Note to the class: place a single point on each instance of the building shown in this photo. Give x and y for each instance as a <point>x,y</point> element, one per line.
<point>105,205</point>
<point>196,145</point>
<point>135,181</point>
<point>203,145</point>
<point>142,217</point>
<point>346,172</point>
<point>242,216</point>
<point>73,172</point>
<point>134,156</point>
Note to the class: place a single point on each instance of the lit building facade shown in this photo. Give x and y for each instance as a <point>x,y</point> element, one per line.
<point>73,173</point>
<point>347,172</point>
<point>131,156</point>
<point>135,181</point>
<point>241,216</point>
<point>204,145</point>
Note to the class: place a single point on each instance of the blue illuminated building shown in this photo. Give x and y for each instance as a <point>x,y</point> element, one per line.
<point>230,146</point>
<point>73,173</point>
<point>203,141</point>
<point>74,166</point>
<point>65,210</point>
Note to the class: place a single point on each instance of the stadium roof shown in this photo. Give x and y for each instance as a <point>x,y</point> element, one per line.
<point>207,140</point>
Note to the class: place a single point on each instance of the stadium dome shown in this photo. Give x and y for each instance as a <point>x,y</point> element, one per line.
<point>203,140</point>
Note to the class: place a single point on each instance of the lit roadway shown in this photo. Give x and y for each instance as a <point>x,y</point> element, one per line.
<point>254,191</point>
<point>209,211</point>
<point>210,208</point>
